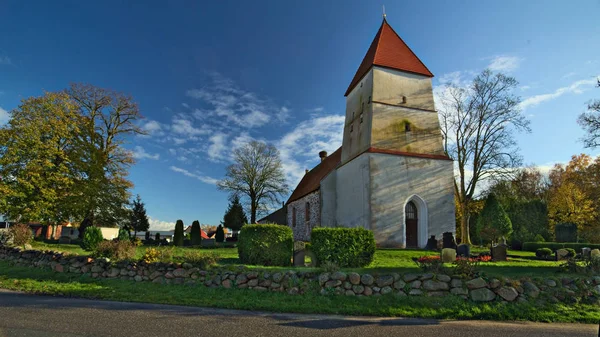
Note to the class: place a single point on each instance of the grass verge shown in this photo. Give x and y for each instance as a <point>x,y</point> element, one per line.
<point>46,282</point>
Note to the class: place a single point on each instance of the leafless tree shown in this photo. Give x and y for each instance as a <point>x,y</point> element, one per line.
<point>590,122</point>
<point>257,176</point>
<point>478,124</point>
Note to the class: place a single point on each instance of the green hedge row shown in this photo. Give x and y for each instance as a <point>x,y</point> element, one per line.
<point>346,247</point>
<point>534,246</point>
<point>266,245</point>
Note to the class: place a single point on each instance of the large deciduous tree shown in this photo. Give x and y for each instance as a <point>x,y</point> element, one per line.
<point>235,217</point>
<point>257,176</point>
<point>590,122</point>
<point>37,158</point>
<point>478,124</point>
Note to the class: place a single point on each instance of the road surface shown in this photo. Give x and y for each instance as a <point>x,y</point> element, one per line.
<point>30,315</point>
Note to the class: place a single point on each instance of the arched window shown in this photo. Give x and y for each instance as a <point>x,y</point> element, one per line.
<point>294,217</point>
<point>307,212</point>
<point>411,211</point>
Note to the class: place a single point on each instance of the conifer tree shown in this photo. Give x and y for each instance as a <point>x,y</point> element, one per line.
<point>235,217</point>
<point>178,235</point>
<point>493,222</point>
<point>139,220</point>
<point>195,234</point>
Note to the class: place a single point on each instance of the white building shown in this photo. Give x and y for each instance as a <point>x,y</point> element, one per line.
<point>391,174</point>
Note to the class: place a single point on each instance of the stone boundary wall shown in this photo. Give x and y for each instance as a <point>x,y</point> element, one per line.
<point>553,290</point>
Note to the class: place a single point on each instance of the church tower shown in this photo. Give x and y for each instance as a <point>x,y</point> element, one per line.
<point>393,176</point>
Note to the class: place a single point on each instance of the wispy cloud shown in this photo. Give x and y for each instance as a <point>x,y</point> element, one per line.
<point>575,88</point>
<point>217,147</point>
<point>4,116</point>
<point>504,63</point>
<point>5,60</point>
<point>202,178</point>
<point>139,153</point>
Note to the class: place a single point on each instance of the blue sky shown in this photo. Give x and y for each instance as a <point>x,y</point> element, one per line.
<point>209,76</point>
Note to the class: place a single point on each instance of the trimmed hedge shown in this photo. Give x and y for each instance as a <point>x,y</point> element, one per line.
<point>534,246</point>
<point>266,245</point>
<point>346,247</point>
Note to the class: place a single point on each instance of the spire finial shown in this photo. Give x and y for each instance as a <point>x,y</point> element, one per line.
<point>383,11</point>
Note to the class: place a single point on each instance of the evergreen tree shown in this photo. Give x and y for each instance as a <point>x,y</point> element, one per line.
<point>195,234</point>
<point>220,235</point>
<point>178,235</point>
<point>235,217</point>
<point>493,222</point>
<point>139,219</point>
<point>123,234</point>
<point>157,237</point>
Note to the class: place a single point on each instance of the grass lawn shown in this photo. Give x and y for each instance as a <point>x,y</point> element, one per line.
<point>50,283</point>
<point>386,260</point>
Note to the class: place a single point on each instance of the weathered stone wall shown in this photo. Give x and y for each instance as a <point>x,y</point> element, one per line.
<point>553,290</point>
<point>303,228</point>
<point>357,132</point>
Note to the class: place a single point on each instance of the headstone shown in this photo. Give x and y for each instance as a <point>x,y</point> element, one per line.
<point>431,243</point>
<point>498,252</point>
<point>595,253</point>
<point>463,250</point>
<point>448,240</point>
<point>561,254</point>
<point>207,243</point>
<point>64,240</point>
<point>585,252</point>
<point>299,253</point>
<point>448,255</point>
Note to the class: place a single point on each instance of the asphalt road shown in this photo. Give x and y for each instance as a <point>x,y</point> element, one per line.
<point>30,315</point>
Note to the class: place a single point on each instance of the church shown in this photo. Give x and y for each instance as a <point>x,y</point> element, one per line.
<point>391,174</point>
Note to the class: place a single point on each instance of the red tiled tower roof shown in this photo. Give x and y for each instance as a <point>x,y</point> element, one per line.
<point>389,50</point>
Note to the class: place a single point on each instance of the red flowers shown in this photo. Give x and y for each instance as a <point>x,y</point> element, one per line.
<point>428,259</point>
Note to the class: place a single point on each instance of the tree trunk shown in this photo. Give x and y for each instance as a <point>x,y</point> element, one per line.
<point>252,213</point>
<point>465,238</point>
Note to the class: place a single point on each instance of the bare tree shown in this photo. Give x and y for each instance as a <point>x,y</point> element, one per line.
<point>256,175</point>
<point>590,122</point>
<point>478,124</point>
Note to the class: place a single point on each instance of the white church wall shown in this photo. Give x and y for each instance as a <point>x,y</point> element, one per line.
<point>329,200</point>
<point>302,227</point>
<point>352,209</point>
<point>389,85</point>
<point>395,179</point>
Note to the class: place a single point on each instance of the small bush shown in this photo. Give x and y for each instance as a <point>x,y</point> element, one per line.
<point>267,245</point>
<point>346,247</point>
<point>329,267</point>
<point>466,266</point>
<point>201,260</point>
<point>91,238</point>
<point>543,252</point>
<point>571,252</point>
<point>157,237</point>
<point>430,264</point>
<point>151,255</point>
<point>115,250</point>
<point>539,238</point>
<point>123,235</point>
<point>136,242</point>
<point>533,246</point>
<point>21,234</point>
<point>5,237</point>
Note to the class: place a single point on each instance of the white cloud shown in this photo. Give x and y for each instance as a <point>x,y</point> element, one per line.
<point>5,60</point>
<point>140,153</point>
<point>217,147</point>
<point>525,87</point>
<point>184,127</point>
<point>283,115</point>
<point>158,225</point>
<point>504,63</point>
<point>300,147</point>
<point>316,109</point>
<point>4,116</point>
<point>185,105</point>
<point>202,178</point>
<point>576,88</point>
<point>571,74</point>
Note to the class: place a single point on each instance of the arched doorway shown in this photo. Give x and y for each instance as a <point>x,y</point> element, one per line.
<point>412,225</point>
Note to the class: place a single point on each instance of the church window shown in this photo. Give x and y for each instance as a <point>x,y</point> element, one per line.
<point>294,217</point>
<point>407,127</point>
<point>351,127</point>
<point>369,100</point>
<point>307,212</point>
<point>361,118</point>
<point>403,99</point>
<point>411,210</point>
<point>362,108</point>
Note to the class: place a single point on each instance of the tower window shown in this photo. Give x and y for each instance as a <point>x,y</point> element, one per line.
<point>294,217</point>
<point>369,100</point>
<point>362,108</point>
<point>307,212</point>
<point>353,115</point>
<point>351,127</point>
<point>403,99</point>
<point>361,118</point>
<point>407,127</point>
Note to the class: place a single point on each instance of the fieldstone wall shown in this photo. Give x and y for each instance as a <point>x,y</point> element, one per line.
<point>553,290</point>
<point>304,227</point>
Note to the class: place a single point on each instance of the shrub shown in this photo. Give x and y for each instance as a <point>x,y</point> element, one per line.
<point>157,237</point>
<point>202,260</point>
<point>493,222</point>
<point>21,234</point>
<point>566,232</point>
<point>346,247</point>
<point>467,266</point>
<point>136,241</point>
<point>115,250</point>
<point>533,246</point>
<point>431,264</point>
<point>5,237</point>
<point>220,234</point>
<point>151,255</point>
<point>329,267</point>
<point>539,238</point>
<point>178,235</point>
<point>91,238</point>
<point>123,235</point>
<point>195,234</point>
<point>543,252</point>
<point>267,245</point>
<point>571,252</point>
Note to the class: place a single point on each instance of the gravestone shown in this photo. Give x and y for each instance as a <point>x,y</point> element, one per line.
<point>207,243</point>
<point>585,252</point>
<point>431,243</point>
<point>561,254</point>
<point>498,252</point>
<point>448,240</point>
<point>299,253</point>
<point>64,240</point>
<point>448,255</point>
<point>595,253</point>
<point>463,250</point>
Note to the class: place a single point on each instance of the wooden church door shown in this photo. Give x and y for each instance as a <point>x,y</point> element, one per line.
<point>411,221</point>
